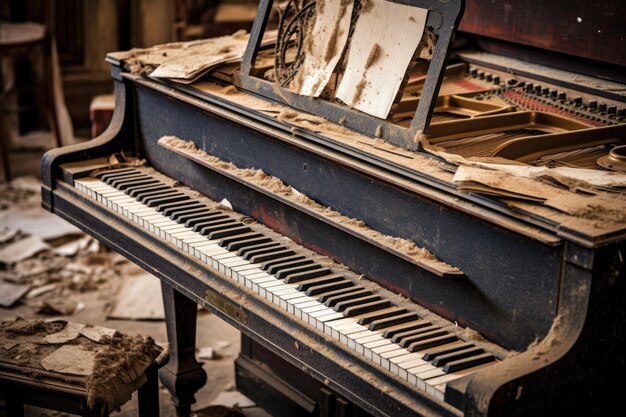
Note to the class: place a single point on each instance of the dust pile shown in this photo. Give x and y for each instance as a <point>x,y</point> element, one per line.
<point>405,247</point>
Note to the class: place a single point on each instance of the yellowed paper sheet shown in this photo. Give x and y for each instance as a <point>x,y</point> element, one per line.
<point>324,45</point>
<point>385,39</point>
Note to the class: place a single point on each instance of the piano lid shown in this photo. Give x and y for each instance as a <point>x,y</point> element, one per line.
<point>349,61</point>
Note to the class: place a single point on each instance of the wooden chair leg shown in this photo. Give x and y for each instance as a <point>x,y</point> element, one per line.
<point>148,394</point>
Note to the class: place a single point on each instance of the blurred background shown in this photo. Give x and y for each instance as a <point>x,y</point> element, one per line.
<point>56,86</point>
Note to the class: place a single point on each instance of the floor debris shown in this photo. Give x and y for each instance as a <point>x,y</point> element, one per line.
<point>139,299</point>
<point>11,293</point>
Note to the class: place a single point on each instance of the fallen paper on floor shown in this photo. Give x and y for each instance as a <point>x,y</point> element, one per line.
<point>323,46</point>
<point>21,249</point>
<point>11,293</point>
<point>37,222</point>
<point>385,39</point>
<point>233,398</point>
<point>71,360</point>
<point>139,298</point>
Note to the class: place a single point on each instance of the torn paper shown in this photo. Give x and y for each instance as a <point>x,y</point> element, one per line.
<point>70,359</point>
<point>323,46</point>
<point>384,41</point>
<point>11,293</point>
<point>22,249</point>
<point>139,299</point>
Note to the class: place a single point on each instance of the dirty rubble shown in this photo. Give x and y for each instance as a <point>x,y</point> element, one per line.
<point>74,292</point>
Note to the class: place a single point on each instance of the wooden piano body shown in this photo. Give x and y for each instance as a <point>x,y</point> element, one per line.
<point>541,286</point>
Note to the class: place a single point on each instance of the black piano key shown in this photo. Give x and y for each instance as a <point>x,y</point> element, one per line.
<point>273,267</point>
<point>143,190</point>
<point>234,246</point>
<point>169,209</point>
<point>116,182</point>
<point>366,308</point>
<point>244,236</point>
<point>392,321</point>
<point>257,259</point>
<point>133,185</point>
<point>408,327</point>
<point>420,330</point>
<point>406,342</point>
<point>305,285</point>
<point>209,226</point>
<point>124,184</point>
<point>205,228</point>
<point>231,231</point>
<point>109,176</point>
<point>332,298</point>
<point>349,301</point>
<point>145,196</point>
<point>302,276</point>
<point>192,219</point>
<point>171,198</point>
<point>324,288</point>
<point>434,354</point>
<point>299,267</point>
<point>184,215</point>
<point>441,360</point>
<point>366,319</point>
<point>462,364</point>
<point>114,172</point>
<point>432,342</point>
<point>261,249</point>
<point>259,246</point>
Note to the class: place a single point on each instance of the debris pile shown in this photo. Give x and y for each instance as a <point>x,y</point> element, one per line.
<point>44,259</point>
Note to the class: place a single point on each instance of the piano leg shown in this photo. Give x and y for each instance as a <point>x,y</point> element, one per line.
<point>182,375</point>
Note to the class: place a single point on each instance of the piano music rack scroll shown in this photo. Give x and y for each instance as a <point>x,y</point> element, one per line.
<point>427,54</point>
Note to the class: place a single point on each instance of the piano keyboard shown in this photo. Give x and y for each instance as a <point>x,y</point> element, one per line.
<point>424,354</point>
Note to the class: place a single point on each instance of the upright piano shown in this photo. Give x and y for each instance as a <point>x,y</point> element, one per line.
<point>447,239</point>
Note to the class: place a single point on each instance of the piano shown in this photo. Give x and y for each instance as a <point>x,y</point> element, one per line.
<point>457,250</point>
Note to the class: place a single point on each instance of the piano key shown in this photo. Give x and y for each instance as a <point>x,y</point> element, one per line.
<point>104,175</point>
<point>306,275</point>
<point>406,341</point>
<point>267,246</point>
<point>366,307</point>
<point>139,184</point>
<point>392,321</point>
<point>233,246</point>
<point>432,342</point>
<point>419,329</point>
<point>148,188</point>
<point>433,354</point>
<point>366,319</point>
<point>169,209</point>
<point>296,267</point>
<point>124,184</point>
<point>441,360</point>
<point>461,364</point>
<point>332,299</point>
<point>323,288</point>
<point>305,285</point>
<point>231,239</point>
<point>279,254</point>
<point>276,266</point>
<point>184,216</point>
<point>206,217</point>
<point>348,301</point>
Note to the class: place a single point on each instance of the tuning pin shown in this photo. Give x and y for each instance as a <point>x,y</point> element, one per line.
<point>489,77</point>
<point>602,107</point>
<point>481,75</point>
<point>538,90</point>
<point>562,96</point>
<point>512,81</point>
<point>621,113</point>
<point>474,72</point>
<point>593,105</point>
<point>496,80</point>
<point>612,110</point>
<point>529,88</point>
<point>578,101</point>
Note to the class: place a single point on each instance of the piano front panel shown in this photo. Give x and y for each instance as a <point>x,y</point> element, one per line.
<point>510,293</point>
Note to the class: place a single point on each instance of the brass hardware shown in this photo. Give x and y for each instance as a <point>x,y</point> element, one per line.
<point>227,307</point>
<point>615,160</point>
